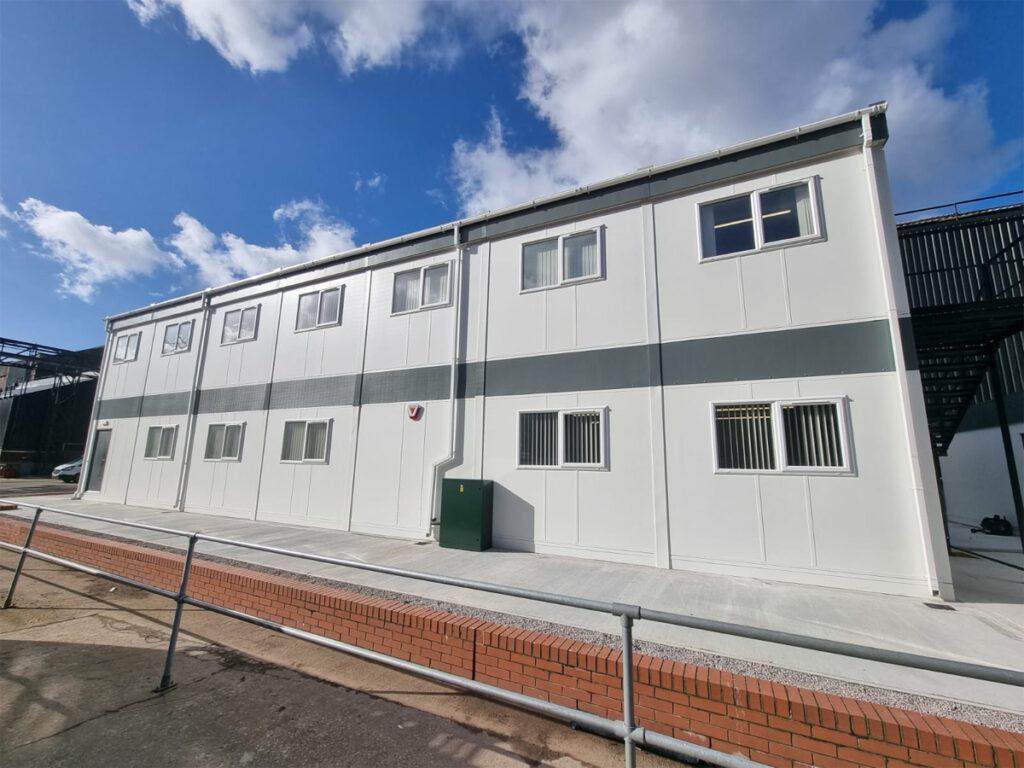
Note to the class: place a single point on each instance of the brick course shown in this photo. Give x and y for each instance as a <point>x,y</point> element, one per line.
<point>779,725</point>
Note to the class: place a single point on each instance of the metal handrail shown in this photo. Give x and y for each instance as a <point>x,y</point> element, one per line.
<point>625,729</point>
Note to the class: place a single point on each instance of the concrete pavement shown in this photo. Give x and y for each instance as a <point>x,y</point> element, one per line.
<point>986,626</point>
<point>78,660</point>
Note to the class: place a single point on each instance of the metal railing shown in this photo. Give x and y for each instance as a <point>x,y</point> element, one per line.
<point>625,730</point>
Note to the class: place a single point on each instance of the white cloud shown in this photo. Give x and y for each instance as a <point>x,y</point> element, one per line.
<point>640,82</point>
<point>221,259</point>
<point>374,182</point>
<point>266,36</point>
<point>91,254</point>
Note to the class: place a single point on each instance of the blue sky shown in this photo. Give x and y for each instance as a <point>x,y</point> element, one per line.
<point>153,147</point>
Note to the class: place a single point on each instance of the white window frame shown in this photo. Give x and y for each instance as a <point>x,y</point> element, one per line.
<point>562,280</point>
<point>319,295</point>
<point>420,307</point>
<point>560,449</point>
<point>760,246</point>
<point>305,431</point>
<point>174,441</point>
<point>121,356</point>
<point>241,440</point>
<point>782,465</point>
<point>240,311</point>
<point>176,351</point>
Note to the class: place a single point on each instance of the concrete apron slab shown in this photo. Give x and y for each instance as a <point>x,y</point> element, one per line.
<point>988,629</point>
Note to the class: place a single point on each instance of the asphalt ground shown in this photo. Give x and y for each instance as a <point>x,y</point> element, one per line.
<point>79,657</point>
<point>34,486</point>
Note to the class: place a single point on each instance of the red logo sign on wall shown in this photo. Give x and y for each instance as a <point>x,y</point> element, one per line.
<point>415,411</point>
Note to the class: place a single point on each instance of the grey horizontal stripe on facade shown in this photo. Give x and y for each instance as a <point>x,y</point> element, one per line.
<point>831,350</point>
<point>314,393</point>
<point>169,404</point>
<point>431,383</point>
<point>676,181</point>
<point>615,368</point>
<point>250,397</point>
<point>828,350</point>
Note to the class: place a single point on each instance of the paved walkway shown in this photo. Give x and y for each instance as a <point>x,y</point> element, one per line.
<point>985,626</point>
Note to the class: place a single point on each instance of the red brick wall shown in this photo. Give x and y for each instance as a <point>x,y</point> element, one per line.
<point>780,725</point>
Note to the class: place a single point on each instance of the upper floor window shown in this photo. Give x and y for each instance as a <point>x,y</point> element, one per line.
<point>779,436</point>
<point>421,288</point>
<point>177,338</point>
<point>569,438</point>
<point>126,348</point>
<point>305,441</point>
<point>764,219</point>
<point>240,325</point>
<point>224,442</point>
<point>160,442</point>
<point>561,260</point>
<point>318,309</point>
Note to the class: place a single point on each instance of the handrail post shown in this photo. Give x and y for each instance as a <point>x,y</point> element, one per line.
<point>21,560</point>
<point>627,688</point>
<point>165,680</point>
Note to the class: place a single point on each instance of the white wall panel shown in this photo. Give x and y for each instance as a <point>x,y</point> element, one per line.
<point>227,487</point>
<point>394,467</point>
<point>245,362</point>
<point>331,350</point>
<point>600,313</point>
<point>174,372</point>
<point>974,474</point>
<point>154,482</point>
<point>128,379</point>
<point>118,468</point>
<point>307,493</point>
<point>606,514</point>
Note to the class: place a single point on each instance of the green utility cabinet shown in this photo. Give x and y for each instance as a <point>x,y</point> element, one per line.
<point>466,514</point>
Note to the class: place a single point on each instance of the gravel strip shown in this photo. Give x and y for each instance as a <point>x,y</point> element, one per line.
<point>994,718</point>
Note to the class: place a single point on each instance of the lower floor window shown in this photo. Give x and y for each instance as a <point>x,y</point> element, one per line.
<point>160,442</point>
<point>781,436</point>
<point>570,438</point>
<point>224,442</point>
<point>305,441</point>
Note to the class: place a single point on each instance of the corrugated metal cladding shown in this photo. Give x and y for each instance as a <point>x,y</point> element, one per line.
<point>965,258</point>
<point>970,257</point>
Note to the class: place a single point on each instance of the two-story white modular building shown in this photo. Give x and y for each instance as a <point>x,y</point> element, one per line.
<point>698,366</point>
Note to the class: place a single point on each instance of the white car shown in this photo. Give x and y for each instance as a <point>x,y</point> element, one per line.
<point>68,472</point>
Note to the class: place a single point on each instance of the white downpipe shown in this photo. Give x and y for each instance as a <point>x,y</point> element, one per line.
<point>190,423</point>
<point>83,475</point>
<point>442,466</point>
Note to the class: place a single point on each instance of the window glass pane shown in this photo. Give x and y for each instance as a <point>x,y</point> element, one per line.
<point>786,213</point>
<point>580,258</point>
<point>167,442</point>
<point>170,339</point>
<point>330,305</point>
<point>316,440</point>
<point>230,332</point>
<point>248,327</point>
<point>294,434</point>
<point>232,441</point>
<point>538,439</point>
<point>215,441</point>
<point>435,285</point>
<point>184,336</point>
<point>540,264</point>
<point>307,311</point>
<point>133,347</point>
<point>582,437</point>
<point>152,442</point>
<point>744,436</point>
<point>812,435</point>
<point>120,348</point>
<point>406,291</point>
<point>727,227</point>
